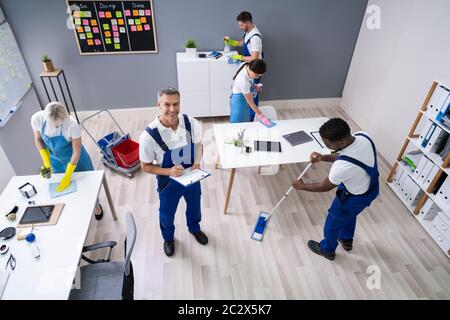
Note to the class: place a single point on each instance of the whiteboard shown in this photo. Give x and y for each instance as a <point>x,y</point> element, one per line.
<point>15,80</point>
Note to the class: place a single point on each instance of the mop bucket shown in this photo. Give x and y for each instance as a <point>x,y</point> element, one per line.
<point>126,153</point>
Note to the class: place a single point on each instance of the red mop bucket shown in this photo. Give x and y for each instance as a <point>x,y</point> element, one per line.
<point>126,153</point>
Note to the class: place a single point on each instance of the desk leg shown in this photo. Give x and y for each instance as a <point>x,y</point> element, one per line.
<point>230,186</point>
<point>108,196</point>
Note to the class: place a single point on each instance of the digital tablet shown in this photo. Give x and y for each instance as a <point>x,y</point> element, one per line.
<point>269,146</point>
<point>297,138</point>
<point>37,214</point>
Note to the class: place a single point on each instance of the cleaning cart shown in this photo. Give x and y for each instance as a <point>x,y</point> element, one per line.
<point>119,151</point>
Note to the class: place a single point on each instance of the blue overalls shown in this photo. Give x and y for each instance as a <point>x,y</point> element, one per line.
<point>171,191</point>
<point>61,152</point>
<point>239,108</point>
<point>247,53</point>
<point>341,219</point>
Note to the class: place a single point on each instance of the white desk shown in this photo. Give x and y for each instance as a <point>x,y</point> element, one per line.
<point>231,158</point>
<point>205,84</point>
<point>51,276</point>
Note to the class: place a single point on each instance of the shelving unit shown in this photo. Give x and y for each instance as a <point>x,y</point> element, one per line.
<point>444,169</point>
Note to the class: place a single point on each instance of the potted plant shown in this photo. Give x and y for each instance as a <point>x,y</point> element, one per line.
<point>48,64</point>
<point>191,48</point>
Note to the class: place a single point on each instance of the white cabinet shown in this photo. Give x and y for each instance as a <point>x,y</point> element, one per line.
<point>205,85</point>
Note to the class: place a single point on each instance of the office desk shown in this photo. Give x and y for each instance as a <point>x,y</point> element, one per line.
<point>231,158</point>
<point>205,84</point>
<point>51,276</point>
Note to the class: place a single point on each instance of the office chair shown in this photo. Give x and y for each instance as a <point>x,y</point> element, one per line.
<point>105,279</point>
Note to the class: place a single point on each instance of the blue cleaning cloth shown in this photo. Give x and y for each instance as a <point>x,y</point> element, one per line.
<point>272,124</point>
<point>53,193</point>
<point>232,61</point>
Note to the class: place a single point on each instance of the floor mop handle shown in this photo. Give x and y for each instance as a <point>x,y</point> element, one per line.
<point>287,193</point>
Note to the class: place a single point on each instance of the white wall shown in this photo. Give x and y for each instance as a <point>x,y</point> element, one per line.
<point>393,68</point>
<point>6,170</point>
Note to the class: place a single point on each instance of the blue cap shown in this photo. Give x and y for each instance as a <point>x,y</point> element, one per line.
<point>30,237</point>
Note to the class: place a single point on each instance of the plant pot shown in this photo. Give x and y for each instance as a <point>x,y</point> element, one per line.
<point>48,66</point>
<point>192,52</point>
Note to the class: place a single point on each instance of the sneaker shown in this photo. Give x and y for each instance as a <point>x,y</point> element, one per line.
<point>201,237</point>
<point>346,244</point>
<point>169,248</point>
<point>315,247</point>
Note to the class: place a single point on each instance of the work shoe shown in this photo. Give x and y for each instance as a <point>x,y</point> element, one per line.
<point>100,215</point>
<point>201,237</point>
<point>169,248</point>
<point>346,244</point>
<point>315,247</point>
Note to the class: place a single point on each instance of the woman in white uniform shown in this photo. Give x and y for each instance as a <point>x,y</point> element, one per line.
<point>57,137</point>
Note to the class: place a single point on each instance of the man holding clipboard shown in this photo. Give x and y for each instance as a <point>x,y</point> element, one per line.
<point>173,142</point>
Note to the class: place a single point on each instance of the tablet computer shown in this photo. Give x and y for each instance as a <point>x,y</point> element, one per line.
<point>297,138</point>
<point>37,214</point>
<point>269,146</point>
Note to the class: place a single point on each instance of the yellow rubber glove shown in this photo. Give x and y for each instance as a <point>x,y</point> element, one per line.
<point>236,57</point>
<point>233,43</point>
<point>47,167</point>
<point>65,181</point>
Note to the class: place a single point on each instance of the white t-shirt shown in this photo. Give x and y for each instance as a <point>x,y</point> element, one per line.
<point>355,179</point>
<point>255,43</point>
<point>70,127</point>
<point>243,82</point>
<point>149,150</point>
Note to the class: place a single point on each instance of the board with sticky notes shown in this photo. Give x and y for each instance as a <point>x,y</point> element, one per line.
<point>111,27</point>
<point>15,80</point>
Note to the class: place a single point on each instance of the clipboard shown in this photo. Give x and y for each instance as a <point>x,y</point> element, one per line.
<point>191,176</point>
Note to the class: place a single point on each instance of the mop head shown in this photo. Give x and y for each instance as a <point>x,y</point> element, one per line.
<point>260,227</point>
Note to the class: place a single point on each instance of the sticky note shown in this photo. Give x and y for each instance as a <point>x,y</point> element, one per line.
<point>141,12</point>
<point>105,26</point>
<point>114,22</point>
<point>90,42</point>
<point>115,28</point>
<point>117,46</point>
<point>82,36</point>
<point>78,21</point>
<point>76,14</point>
<point>82,14</point>
<point>127,13</point>
<point>93,22</point>
<point>97,42</point>
<point>122,30</point>
<point>146,27</point>
<point>107,34</point>
<point>120,22</point>
<point>133,28</point>
<point>87,29</point>
<point>108,40</point>
<point>116,34</point>
<point>116,40</point>
<point>85,22</point>
<point>137,21</point>
<point>130,22</point>
<point>135,13</point>
<point>95,30</point>
<point>89,35</point>
<point>88,14</point>
<point>143,19</point>
<point>101,14</point>
<point>139,27</point>
<point>118,14</point>
<point>80,29</point>
<point>147,12</point>
<point>108,14</point>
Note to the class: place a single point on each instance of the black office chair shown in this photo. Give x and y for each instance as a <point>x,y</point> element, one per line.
<point>105,279</point>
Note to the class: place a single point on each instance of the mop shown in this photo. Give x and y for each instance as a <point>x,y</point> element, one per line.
<point>264,217</point>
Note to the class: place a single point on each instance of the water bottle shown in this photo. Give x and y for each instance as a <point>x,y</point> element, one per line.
<point>227,48</point>
<point>32,243</point>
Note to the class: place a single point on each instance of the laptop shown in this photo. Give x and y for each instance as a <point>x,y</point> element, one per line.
<point>297,138</point>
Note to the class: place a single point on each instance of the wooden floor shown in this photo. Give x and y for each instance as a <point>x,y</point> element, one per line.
<point>232,266</point>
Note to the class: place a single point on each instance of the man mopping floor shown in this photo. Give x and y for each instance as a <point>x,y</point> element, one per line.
<point>355,174</point>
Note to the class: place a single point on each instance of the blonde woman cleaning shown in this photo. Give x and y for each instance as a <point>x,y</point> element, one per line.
<point>57,137</point>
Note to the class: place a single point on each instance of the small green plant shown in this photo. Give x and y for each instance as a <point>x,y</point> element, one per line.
<point>46,58</point>
<point>191,43</point>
